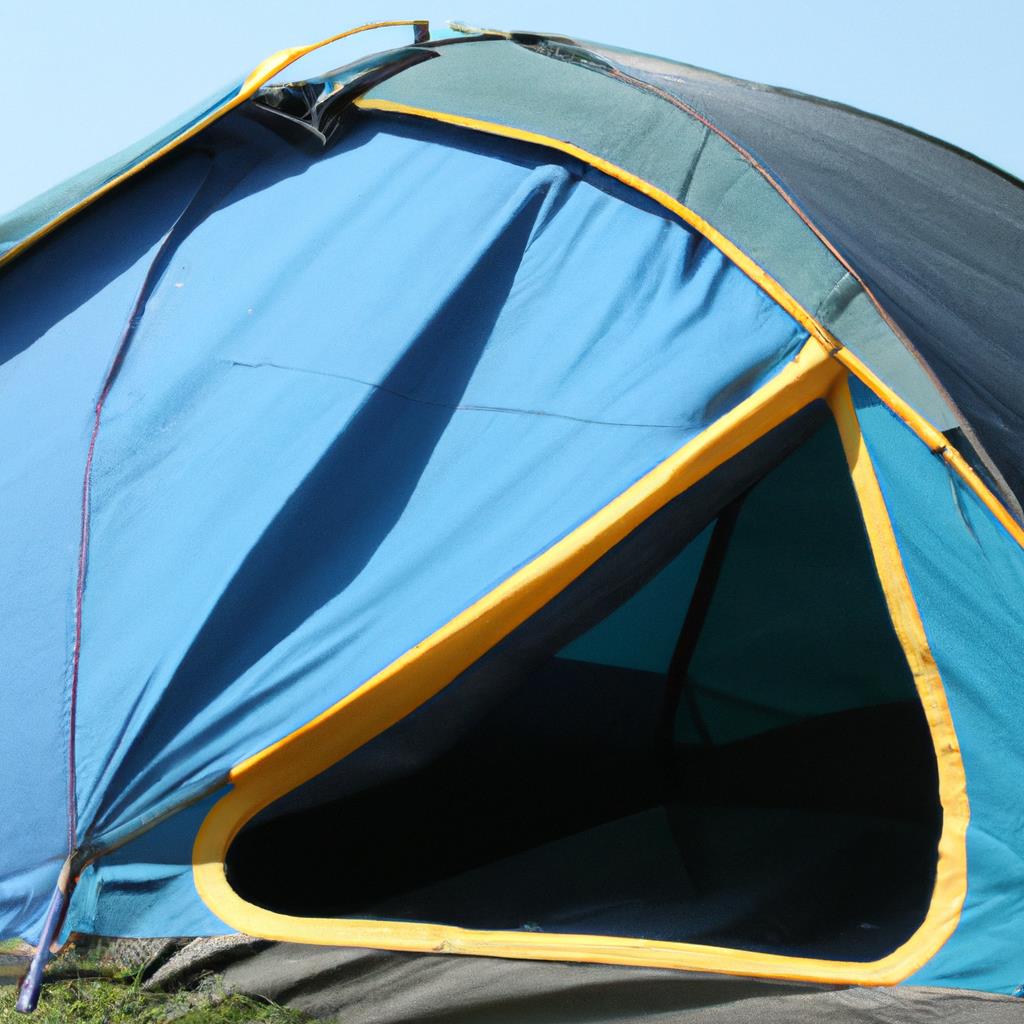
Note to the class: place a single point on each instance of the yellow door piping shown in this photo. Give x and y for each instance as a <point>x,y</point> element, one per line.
<point>951,874</point>
<point>431,665</point>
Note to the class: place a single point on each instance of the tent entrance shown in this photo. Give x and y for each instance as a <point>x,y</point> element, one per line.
<point>712,736</point>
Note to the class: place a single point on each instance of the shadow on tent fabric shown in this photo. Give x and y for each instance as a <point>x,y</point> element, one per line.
<point>333,523</point>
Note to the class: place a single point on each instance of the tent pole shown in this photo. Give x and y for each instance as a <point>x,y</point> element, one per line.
<point>677,681</point>
<point>28,991</point>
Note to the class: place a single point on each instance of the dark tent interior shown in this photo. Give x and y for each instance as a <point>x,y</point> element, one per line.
<point>711,736</point>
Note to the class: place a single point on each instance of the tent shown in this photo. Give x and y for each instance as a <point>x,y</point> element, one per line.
<point>516,497</point>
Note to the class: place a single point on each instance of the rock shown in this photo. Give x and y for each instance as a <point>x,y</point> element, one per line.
<point>202,956</point>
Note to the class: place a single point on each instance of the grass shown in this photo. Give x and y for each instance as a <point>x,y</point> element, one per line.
<point>113,1002</point>
<point>119,998</point>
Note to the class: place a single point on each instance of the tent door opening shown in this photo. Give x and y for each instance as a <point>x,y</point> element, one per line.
<point>711,736</point>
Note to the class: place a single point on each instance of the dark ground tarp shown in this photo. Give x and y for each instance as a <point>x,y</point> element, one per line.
<point>371,987</point>
<point>359,986</point>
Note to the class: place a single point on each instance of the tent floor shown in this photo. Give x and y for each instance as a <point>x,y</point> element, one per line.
<point>633,876</point>
<point>763,844</point>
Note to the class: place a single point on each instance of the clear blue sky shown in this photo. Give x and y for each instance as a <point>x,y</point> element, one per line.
<point>83,79</point>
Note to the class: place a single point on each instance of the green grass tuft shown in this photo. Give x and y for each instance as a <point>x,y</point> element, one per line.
<point>121,1000</point>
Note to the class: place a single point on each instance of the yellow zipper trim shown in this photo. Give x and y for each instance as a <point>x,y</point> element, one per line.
<point>428,667</point>
<point>951,874</point>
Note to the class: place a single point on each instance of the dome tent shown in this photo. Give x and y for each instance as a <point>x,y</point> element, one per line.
<point>516,497</point>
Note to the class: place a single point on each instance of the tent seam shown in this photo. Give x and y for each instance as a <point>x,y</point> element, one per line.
<point>460,407</point>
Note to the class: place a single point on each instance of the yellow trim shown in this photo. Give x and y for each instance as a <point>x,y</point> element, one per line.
<point>277,62</point>
<point>256,78</point>
<point>427,668</point>
<point>920,426</point>
<point>712,234</point>
<point>951,873</point>
<point>935,440</point>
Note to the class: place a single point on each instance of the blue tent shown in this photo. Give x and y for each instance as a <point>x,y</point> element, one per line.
<point>517,497</point>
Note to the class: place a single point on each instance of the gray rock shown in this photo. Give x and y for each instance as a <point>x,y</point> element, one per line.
<point>199,957</point>
<point>136,954</point>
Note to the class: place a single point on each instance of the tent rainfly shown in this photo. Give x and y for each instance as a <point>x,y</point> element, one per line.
<point>519,497</point>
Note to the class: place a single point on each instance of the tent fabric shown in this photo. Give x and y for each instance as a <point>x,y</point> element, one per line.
<point>20,225</point>
<point>48,343</point>
<point>968,578</point>
<point>667,147</point>
<point>399,404</point>
<point>144,888</point>
<point>934,232</point>
<point>289,399</point>
<point>550,787</point>
<point>661,143</point>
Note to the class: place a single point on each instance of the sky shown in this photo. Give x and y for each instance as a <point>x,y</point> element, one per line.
<point>83,80</point>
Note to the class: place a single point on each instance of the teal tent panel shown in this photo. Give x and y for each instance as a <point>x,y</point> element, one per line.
<point>37,214</point>
<point>643,632</point>
<point>967,575</point>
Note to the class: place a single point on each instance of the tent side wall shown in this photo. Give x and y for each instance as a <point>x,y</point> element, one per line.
<point>967,577</point>
<point>216,404</point>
